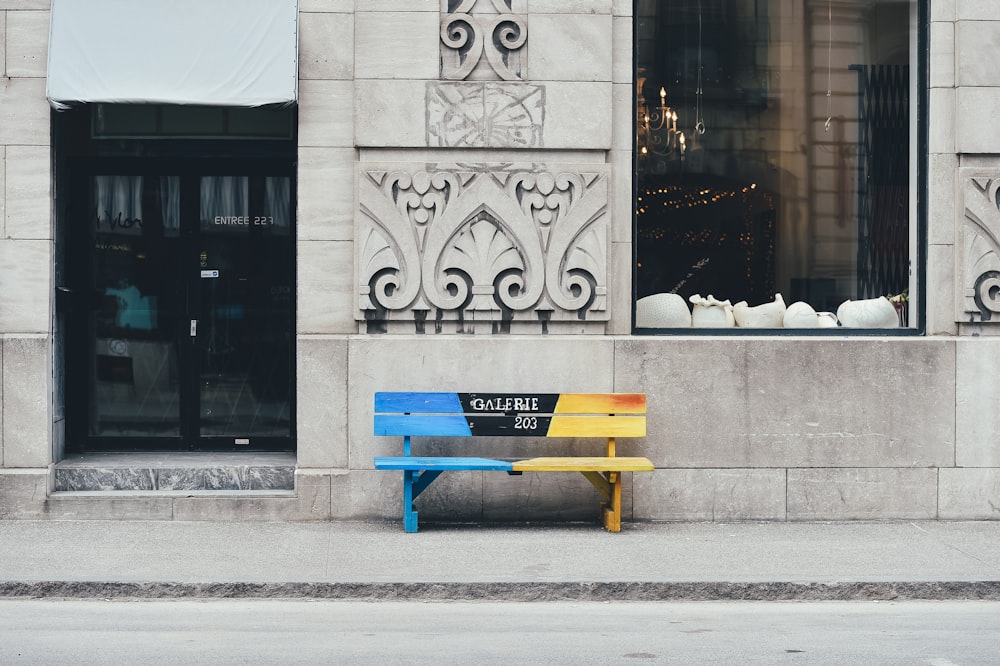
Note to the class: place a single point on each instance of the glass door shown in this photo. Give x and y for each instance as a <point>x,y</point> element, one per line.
<point>242,330</point>
<point>136,302</point>
<point>185,338</point>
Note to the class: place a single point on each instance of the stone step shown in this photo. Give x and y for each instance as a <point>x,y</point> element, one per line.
<point>181,471</point>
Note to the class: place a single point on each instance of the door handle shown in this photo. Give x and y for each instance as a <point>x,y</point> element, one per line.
<point>194,328</point>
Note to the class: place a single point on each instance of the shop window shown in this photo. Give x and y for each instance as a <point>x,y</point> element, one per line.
<point>777,163</point>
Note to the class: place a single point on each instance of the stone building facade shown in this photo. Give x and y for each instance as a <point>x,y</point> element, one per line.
<point>464,204</point>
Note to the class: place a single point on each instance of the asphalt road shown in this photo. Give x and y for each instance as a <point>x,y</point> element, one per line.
<point>221,632</point>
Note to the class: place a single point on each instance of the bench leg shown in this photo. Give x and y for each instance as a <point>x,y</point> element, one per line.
<point>610,486</point>
<point>409,515</point>
<point>613,514</point>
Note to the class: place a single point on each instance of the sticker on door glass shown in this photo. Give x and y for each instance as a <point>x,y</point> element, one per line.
<point>210,274</point>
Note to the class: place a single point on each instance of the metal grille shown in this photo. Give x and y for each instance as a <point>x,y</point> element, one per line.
<point>883,179</point>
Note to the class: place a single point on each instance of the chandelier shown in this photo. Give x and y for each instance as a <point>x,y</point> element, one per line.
<point>656,129</point>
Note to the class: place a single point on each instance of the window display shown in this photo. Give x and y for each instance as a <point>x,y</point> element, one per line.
<point>776,160</point>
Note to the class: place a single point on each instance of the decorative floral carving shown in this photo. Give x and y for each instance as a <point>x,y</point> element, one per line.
<point>501,245</point>
<point>980,246</point>
<point>986,294</point>
<point>467,35</point>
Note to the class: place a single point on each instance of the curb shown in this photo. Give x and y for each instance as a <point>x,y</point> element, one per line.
<point>513,591</point>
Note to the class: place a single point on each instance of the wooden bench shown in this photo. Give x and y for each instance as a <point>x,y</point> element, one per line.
<point>543,415</point>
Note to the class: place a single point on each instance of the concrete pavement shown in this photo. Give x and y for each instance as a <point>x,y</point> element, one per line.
<point>697,561</point>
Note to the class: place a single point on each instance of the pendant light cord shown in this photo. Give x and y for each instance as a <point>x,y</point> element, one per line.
<point>699,125</point>
<point>829,68</point>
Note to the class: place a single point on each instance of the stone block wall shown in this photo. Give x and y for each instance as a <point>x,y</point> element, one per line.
<point>26,250</point>
<point>755,429</point>
<point>328,34</point>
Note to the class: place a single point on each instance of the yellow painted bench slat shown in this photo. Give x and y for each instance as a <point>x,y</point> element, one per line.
<point>594,464</point>
<point>597,426</point>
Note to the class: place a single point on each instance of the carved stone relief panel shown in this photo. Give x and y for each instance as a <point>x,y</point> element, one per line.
<point>485,115</point>
<point>487,248</point>
<point>979,250</point>
<point>483,39</point>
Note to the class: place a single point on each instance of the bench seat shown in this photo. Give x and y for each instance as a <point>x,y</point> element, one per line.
<point>442,464</point>
<point>580,464</point>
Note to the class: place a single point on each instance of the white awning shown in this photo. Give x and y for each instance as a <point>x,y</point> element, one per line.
<point>209,52</point>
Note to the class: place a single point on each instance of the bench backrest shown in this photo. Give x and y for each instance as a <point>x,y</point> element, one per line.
<point>511,414</point>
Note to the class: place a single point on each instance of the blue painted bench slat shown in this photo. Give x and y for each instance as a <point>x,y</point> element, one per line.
<point>418,403</point>
<point>443,464</point>
<point>438,425</point>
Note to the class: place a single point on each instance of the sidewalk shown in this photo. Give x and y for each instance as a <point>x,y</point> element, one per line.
<point>697,561</point>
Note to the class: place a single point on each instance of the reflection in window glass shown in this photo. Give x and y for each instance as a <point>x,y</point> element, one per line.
<point>161,121</point>
<point>259,122</point>
<point>133,308</point>
<point>192,120</point>
<point>124,120</point>
<point>773,153</point>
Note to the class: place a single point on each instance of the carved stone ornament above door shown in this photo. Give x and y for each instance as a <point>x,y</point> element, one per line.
<point>482,39</point>
<point>483,114</point>
<point>978,247</point>
<point>484,248</point>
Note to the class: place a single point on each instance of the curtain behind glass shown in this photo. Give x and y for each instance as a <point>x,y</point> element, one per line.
<point>225,196</point>
<point>277,200</point>
<point>118,204</point>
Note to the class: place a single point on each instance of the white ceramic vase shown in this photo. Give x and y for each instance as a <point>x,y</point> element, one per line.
<point>662,311</point>
<point>868,313</point>
<point>802,315</point>
<point>767,315</point>
<point>711,313</point>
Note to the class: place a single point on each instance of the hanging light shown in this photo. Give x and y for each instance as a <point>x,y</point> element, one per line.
<point>656,129</point>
